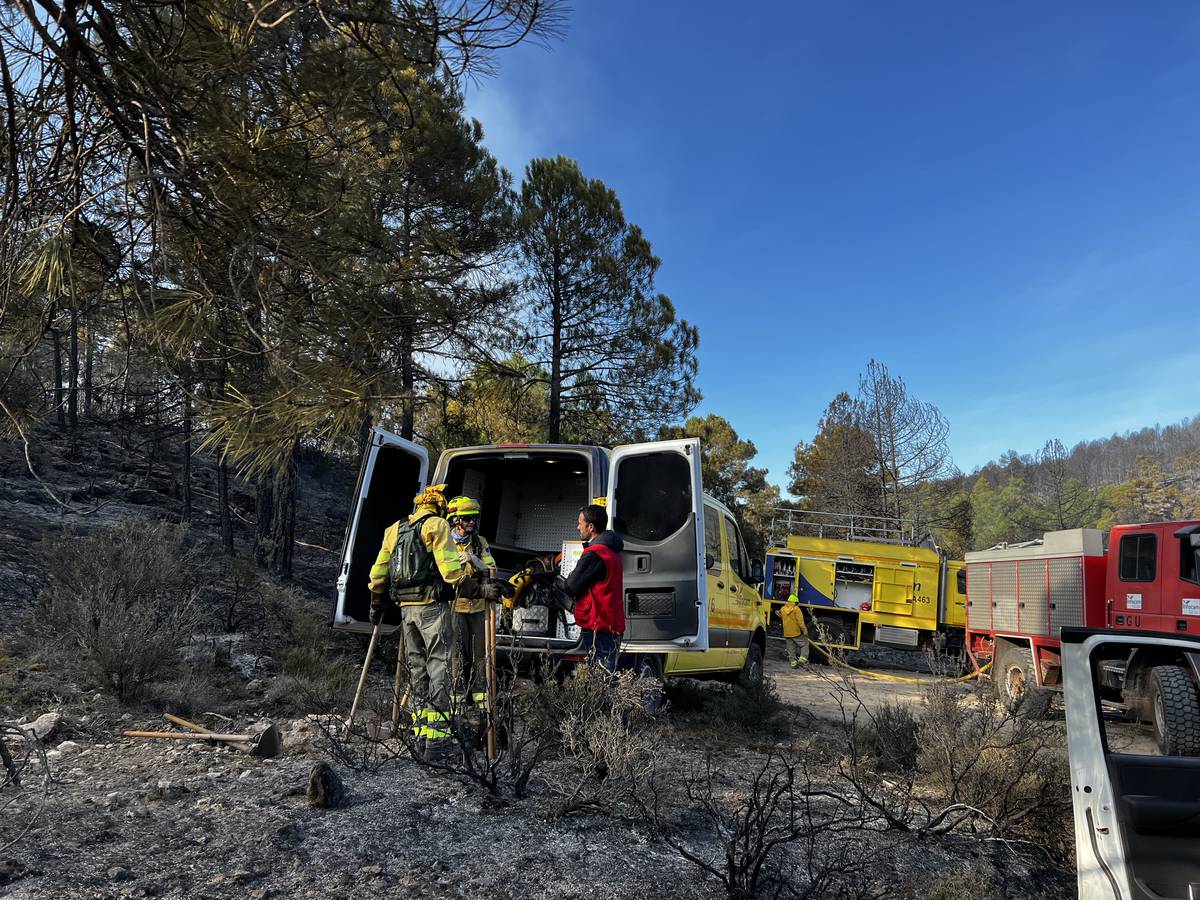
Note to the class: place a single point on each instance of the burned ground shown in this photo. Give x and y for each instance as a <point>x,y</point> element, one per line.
<point>125,817</point>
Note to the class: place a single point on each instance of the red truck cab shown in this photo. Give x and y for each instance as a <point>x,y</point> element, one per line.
<point>1153,577</point>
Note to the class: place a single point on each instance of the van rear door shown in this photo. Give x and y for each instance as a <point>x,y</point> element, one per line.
<point>393,472</point>
<point>655,502</point>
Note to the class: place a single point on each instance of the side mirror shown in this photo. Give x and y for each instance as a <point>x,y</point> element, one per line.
<point>756,571</point>
<point>709,561</point>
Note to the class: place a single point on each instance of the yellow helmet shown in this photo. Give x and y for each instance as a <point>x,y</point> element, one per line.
<point>464,506</point>
<point>433,497</point>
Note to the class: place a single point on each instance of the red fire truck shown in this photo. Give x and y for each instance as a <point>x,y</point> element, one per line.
<point>1019,597</point>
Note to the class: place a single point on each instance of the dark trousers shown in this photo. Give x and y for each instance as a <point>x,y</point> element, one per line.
<point>470,671</point>
<point>601,648</point>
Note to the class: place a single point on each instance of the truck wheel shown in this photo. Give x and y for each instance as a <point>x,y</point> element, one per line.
<point>1175,708</point>
<point>1016,683</point>
<point>751,675</point>
<point>647,665</point>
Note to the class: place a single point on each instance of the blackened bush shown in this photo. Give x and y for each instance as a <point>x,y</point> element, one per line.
<point>891,738</point>
<point>119,603</point>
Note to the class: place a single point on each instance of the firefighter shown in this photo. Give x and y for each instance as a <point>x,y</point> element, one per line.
<point>795,631</point>
<point>596,588</point>
<point>476,558</point>
<point>418,570</point>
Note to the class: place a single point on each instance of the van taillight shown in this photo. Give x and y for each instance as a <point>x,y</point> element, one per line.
<point>512,446</point>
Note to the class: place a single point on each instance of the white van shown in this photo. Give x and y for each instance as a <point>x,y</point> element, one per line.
<point>690,602</point>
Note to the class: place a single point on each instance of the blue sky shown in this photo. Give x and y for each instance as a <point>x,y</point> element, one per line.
<point>999,201</point>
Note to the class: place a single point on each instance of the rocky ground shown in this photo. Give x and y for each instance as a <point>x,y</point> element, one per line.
<point>132,818</point>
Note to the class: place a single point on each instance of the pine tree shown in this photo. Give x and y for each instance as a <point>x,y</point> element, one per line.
<point>618,360</point>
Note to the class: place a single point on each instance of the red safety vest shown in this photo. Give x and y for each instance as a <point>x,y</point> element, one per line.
<point>602,607</point>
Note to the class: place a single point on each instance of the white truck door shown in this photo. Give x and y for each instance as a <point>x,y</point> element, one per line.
<point>1136,812</point>
<point>393,472</point>
<point>655,502</point>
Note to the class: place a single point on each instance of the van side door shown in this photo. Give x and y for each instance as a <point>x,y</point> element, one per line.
<point>393,471</point>
<point>655,502</point>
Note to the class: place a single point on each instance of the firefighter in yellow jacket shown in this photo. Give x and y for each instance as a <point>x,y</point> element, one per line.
<point>418,569</point>
<point>475,556</point>
<point>795,631</point>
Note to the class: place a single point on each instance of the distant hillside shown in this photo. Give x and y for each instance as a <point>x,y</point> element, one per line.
<point>1148,475</point>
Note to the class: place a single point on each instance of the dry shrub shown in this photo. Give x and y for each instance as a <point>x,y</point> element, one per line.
<point>119,603</point>
<point>890,737</point>
<point>309,676</point>
<point>979,880</point>
<point>1012,770</point>
<point>597,726</point>
<point>725,707</point>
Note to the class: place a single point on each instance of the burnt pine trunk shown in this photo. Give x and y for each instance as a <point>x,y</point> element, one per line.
<point>89,348</point>
<point>407,381</point>
<point>186,514</point>
<point>59,405</point>
<point>556,316</point>
<point>223,513</point>
<point>73,370</point>
<point>364,434</point>
<point>283,534</point>
<point>264,514</point>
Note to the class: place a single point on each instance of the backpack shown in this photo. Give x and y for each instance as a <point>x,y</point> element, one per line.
<point>412,567</point>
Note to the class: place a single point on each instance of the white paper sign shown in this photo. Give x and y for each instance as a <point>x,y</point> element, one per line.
<point>571,551</point>
<point>1191,606</point>
<point>1133,601</point>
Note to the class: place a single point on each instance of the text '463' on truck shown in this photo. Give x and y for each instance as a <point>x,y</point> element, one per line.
<point>691,606</point>
<point>865,579</point>
<point>1021,596</point>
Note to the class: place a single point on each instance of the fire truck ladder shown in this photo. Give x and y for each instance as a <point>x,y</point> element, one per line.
<point>844,526</point>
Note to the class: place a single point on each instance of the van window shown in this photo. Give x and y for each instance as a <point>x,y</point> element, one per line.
<point>1138,560</point>
<point>962,581</point>
<point>712,538</point>
<point>736,551</point>
<point>653,495</point>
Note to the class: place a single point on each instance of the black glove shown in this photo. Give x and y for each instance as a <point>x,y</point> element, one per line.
<point>562,599</point>
<point>470,589</point>
<point>378,607</point>
<point>491,590</point>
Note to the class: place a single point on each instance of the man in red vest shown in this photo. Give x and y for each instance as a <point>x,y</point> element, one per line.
<point>597,588</point>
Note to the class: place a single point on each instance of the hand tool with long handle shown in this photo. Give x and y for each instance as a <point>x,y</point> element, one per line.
<point>265,744</point>
<point>190,726</point>
<point>362,679</point>
<point>489,649</point>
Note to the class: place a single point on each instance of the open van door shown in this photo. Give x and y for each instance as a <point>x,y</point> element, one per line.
<point>1137,811</point>
<point>655,502</point>
<point>393,472</point>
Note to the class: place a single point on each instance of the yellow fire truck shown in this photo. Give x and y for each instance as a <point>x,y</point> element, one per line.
<point>863,579</point>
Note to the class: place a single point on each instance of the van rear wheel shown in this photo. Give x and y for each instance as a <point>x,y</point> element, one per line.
<point>650,666</point>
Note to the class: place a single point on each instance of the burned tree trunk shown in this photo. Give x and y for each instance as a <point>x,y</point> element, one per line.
<point>223,512</point>
<point>283,532</point>
<point>186,514</point>
<point>59,406</point>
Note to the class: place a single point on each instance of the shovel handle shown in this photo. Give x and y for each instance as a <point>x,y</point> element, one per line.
<point>180,736</point>
<point>190,726</point>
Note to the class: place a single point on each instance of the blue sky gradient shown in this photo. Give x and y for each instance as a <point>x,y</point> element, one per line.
<point>999,201</point>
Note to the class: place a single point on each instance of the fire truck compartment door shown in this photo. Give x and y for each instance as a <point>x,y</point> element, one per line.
<point>893,591</point>
<point>655,502</point>
<point>393,471</point>
<point>1137,813</point>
